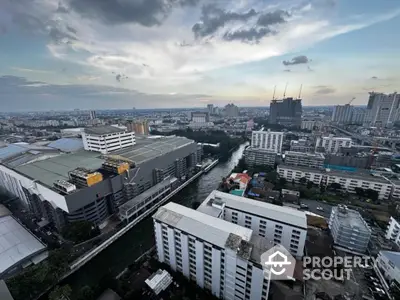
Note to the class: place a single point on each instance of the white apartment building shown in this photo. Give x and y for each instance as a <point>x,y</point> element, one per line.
<point>349,229</point>
<point>388,263</point>
<point>332,144</point>
<point>342,114</point>
<point>268,140</point>
<point>312,160</point>
<point>348,180</point>
<point>259,157</point>
<point>393,230</point>
<point>396,189</point>
<point>219,256</point>
<point>105,139</point>
<point>280,225</point>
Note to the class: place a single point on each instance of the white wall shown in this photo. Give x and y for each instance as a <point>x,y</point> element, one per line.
<point>393,231</point>
<point>267,140</point>
<point>110,142</point>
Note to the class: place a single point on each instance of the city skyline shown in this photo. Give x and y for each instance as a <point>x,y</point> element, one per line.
<point>58,55</point>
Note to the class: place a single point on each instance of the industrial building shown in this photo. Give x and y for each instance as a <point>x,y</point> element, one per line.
<point>312,160</point>
<point>281,225</point>
<point>219,256</point>
<point>19,248</point>
<point>347,180</point>
<point>87,185</point>
<point>259,157</point>
<point>286,112</point>
<point>332,144</point>
<point>267,140</point>
<point>348,229</point>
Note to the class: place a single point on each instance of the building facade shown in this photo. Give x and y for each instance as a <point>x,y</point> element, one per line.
<point>382,110</point>
<point>200,117</point>
<point>138,127</point>
<point>342,114</point>
<point>268,140</point>
<point>259,157</point>
<point>105,139</point>
<point>277,224</point>
<point>210,109</point>
<point>358,117</point>
<point>301,145</point>
<point>312,160</point>
<point>348,229</point>
<point>231,110</point>
<point>309,125</point>
<point>219,256</point>
<point>332,144</point>
<point>388,263</point>
<point>393,230</point>
<point>286,112</point>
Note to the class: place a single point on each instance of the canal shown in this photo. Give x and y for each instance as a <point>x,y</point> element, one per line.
<point>130,246</point>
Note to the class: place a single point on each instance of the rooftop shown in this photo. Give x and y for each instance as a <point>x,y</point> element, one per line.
<point>266,210</point>
<point>16,243</point>
<point>394,257</point>
<point>67,144</point>
<point>102,130</point>
<point>148,148</point>
<point>350,218</point>
<point>196,223</point>
<point>304,154</point>
<point>57,168</point>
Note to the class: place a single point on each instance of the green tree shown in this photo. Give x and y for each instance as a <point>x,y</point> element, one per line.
<point>372,194</point>
<point>282,181</point>
<point>359,191</point>
<point>86,293</point>
<point>60,293</point>
<point>271,177</point>
<point>293,182</point>
<point>80,231</point>
<point>310,184</point>
<point>303,180</point>
<point>335,186</point>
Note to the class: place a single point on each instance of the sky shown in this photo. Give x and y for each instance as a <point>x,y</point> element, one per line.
<point>112,54</point>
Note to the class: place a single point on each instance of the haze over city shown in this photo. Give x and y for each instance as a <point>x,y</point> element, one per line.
<point>187,53</point>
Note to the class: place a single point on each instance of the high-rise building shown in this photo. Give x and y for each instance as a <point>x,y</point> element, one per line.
<point>342,114</point>
<point>286,112</point>
<point>138,127</point>
<point>210,109</point>
<point>92,114</point>
<point>231,110</point>
<point>349,229</point>
<point>268,140</point>
<point>200,117</point>
<point>382,110</point>
<point>358,116</point>
<point>332,144</point>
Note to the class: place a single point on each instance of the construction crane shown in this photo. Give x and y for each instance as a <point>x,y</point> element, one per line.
<point>352,99</point>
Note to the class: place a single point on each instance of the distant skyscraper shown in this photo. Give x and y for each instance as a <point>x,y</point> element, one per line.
<point>138,127</point>
<point>231,110</point>
<point>92,114</point>
<point>286,112</point>
<point>382,110</point>
<point>210,108</point>
<point>358,116</point>
<point>342,114</point>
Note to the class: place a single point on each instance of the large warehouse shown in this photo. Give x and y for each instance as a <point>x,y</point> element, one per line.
<point>87,185</point>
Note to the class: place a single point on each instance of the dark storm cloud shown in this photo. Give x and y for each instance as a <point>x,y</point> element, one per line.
<point>302,59</point>
<point>145,12</point>
<point>212,18</point>
<point>272,18</point>
<point>250,35</point>
<point>18,93</point>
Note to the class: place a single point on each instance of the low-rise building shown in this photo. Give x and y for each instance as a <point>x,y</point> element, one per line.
<point>388,263</point>
<point>306,124</point>
<point>312,160</point>
<point>332,144</point>
<point>348,181</point>
<point>159,281</point>
<point>259,157</point>
<point>301,145</point>
<point>268,140</point>
<point>393,230</point>
<point>348,229</point>
<point>105,139</point>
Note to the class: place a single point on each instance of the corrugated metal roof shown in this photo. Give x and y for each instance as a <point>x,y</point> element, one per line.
<point>67,144</point>
<point>16,243</point>
<point>11,150</point>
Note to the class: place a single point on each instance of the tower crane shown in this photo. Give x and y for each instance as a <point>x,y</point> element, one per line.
<point>352,99</point>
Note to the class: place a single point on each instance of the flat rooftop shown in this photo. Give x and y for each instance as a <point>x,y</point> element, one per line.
<point>196,223</point>
<point>263,209</point>
<point>16,243</point>
<point>102,130</point>
<point>304,154</point>
<point>149,148</point>
<point>358,174</point>
<point>56,168</point>
<point>350,218</point>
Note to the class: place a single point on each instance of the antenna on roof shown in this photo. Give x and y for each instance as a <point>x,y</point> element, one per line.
<point>301,87</point>
<point>273,96</point>
<point>284,93</point>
